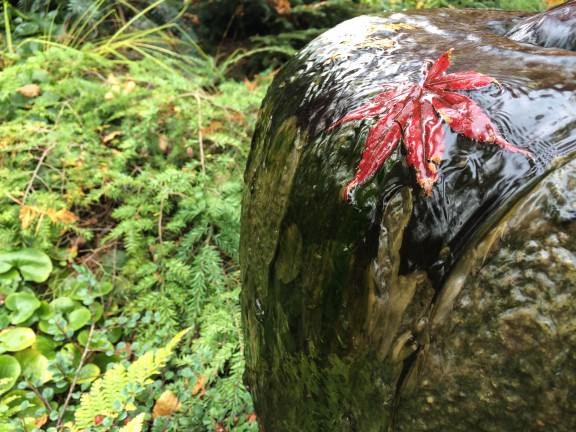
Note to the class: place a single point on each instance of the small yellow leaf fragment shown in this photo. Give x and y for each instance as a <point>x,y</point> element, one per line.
<point>134,425</point>
<point>398,26</point>
<point>112,80</point>
<point>377,43</point>
<point>130,406</point>
<point>62,216</point>
<point>166,405</point>
<point>30,90</point>
<point>29,213</point>
<point>376,27</point>
<point>129,86</point>
<point>110,136</point>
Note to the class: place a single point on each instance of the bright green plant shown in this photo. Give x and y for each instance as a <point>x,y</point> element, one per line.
<point>43,350</point>
<point>157,155</point>
<point>112,398</point>
<point>27,264</point>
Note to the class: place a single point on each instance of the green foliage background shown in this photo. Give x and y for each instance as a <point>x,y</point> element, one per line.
<point>124,129</point>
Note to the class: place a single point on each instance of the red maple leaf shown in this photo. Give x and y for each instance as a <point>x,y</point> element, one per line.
<point>409,111</point>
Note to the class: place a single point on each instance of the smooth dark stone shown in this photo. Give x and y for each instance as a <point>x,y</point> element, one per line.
<point>401,312</point>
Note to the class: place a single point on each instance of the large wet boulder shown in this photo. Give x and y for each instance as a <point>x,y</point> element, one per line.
<point>399,311</point>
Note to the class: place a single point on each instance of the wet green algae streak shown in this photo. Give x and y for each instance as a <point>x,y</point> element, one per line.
<point>345,331</point>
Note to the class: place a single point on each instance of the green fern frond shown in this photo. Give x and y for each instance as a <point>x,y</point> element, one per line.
<point>115,392</point>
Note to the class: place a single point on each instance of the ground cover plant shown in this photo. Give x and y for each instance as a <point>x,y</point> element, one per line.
<point>119,204</point>
<point>122,148</point>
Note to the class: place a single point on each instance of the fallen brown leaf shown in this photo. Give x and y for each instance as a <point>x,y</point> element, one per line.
<point>166,405</point>
<point>250,85</point>
<point>282,7</point>
<point>30,90</point>
<point>212,127</point>
<point>163,144</point>
<point>194,19</point>
<point>199,386</point>
<point>41,421</point>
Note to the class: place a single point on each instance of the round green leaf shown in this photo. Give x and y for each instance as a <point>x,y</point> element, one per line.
<point>46,327</point>
<point>45,311</point>
<point>71,355</point>
<point>16,339</point>
<point>9,276</point>
<point>103,288</point>
<point>34,366</point>
<point>97,310</point>
<point>27,28</point>
<point>9,372</point>
<point>78,318</point>
<point>63,304</point>
<point>34,265</point>
<point>83,337</point>
<point>4,318</point>
<point>115,334</point>
<point>99,340</point>
<point>88,373</point>
<point>46,346</point>
<point>5,267</point>
<point>23,305</point>
<point>102,360</point>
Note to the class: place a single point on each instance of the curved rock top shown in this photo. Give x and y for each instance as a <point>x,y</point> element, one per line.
<point>555,28</point>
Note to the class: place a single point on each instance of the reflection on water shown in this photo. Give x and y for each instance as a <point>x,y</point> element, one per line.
<point>390,314</point>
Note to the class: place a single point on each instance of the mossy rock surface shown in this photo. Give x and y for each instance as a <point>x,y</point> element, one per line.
<point>401,311</point>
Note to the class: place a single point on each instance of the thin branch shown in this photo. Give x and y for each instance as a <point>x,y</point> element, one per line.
<point>160,220</point>
<point>8,27</point>
<point>200,141</point>
<point>13,198</point>
<point>75,379</point>
<point>35,173</point>
<point>42,398</point>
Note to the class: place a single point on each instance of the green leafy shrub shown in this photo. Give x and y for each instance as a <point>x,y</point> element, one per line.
<point>45,345</point>
<point>128,175</point>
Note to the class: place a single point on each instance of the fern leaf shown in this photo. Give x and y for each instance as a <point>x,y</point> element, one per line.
<point>150,363</point>
<point>114,393</point>
<point>135,425</point>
